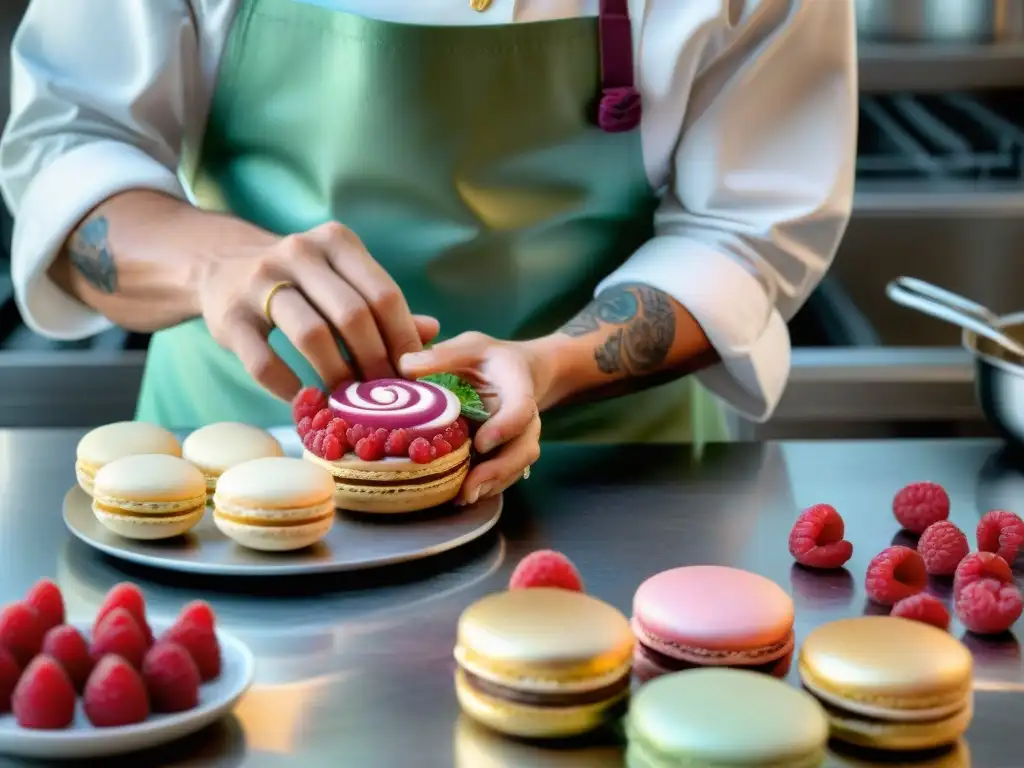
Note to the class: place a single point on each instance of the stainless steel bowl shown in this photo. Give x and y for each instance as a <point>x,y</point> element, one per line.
<point>999,379</point>
<point>946,21</point>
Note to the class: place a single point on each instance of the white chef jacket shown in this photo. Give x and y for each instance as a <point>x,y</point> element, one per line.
<point>749,130</point>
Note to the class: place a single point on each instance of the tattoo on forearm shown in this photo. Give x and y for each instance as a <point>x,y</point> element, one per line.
<point>89,252</point>
<point>645,329</point>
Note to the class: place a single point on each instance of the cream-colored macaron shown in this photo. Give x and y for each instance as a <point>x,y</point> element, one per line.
<point>216,448</point>
<point>115,441</point>
<point>275,504</point>
<point>149,496</point>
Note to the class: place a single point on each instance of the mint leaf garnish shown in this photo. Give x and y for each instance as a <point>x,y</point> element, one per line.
<point>472,406</point>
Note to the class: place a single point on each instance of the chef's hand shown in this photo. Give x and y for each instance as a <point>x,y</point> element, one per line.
<point>332,289</point>
<point>508,377</point>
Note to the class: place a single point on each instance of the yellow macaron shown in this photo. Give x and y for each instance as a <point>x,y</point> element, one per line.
<point>216,448</point>
<point>114,441</point>
<point>543,663</point>
<point>149,496</point>
<point>275,504</point>
<point>889,683</point>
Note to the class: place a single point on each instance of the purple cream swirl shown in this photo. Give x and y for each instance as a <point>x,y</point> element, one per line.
<point>396,404</point>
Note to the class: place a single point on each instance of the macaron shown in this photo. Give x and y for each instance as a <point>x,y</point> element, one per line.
<point>889,683</point>
<point>709,615</point>
<point>216,448</point>
<point>274,504</point>
<point>149,496</point>
<point>724,717</point>
<point>108,443</point>
<point>543,663</point>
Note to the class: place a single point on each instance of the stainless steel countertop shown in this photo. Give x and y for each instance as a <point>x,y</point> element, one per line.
<point>357,672</point>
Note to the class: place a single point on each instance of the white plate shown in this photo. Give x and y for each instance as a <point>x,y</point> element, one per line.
<point>216,699</point>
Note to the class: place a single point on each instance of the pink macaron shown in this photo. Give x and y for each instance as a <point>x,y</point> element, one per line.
<point>709,615</point>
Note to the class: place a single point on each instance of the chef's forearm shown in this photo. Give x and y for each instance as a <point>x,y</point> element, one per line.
<point>628,338</point>
<point>139,257</point>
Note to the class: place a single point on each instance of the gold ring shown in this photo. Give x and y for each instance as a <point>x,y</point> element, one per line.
<point>270,297</point>
<point>526,474</point>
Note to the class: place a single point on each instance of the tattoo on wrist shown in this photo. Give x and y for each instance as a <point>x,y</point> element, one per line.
<point>641,326</point>
<point>89,252</point>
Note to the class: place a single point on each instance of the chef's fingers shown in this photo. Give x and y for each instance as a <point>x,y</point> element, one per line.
<point>427,327</point>
<point>248,341</point>
<point>507,467</point>
<point>455,354</point>
<point>507,373</point>
<point>381,294</point>
<point>310,333</point>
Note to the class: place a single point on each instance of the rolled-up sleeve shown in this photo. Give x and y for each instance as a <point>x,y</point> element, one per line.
<point>100,100</point>
<point>759,194</point>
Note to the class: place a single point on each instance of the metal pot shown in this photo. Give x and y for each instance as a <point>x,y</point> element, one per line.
<point>946,21</point>
<point>996,344</point>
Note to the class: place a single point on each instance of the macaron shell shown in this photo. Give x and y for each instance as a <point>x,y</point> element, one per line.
<point>218,447</point>
<point>85,475</point>
<point>125,438</point>
<point>148,528</point>
<point>887,667</point>
<point>276,482</point>
<point>900,736</point>
<point>149,478</point>
<point>275,538</point>
<point>726,717</point>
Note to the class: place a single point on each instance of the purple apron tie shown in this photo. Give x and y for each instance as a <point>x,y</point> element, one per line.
<point>619,109</point>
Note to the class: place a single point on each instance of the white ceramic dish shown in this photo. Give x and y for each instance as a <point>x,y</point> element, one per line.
<point>81,741</point>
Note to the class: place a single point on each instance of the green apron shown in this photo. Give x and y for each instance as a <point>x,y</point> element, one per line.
<point>467,161</point>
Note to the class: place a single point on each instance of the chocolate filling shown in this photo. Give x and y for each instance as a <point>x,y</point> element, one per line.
<point>678,665</point>
<point>423,480</point>
<point>553,699</point>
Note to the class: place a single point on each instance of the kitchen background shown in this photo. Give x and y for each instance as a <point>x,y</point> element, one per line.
<point>940,196</point>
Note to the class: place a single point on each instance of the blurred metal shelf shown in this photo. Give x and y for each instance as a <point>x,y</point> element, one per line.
<point>934,68</point>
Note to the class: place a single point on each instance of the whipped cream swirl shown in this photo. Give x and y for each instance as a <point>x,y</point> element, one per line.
<point>420,406</point>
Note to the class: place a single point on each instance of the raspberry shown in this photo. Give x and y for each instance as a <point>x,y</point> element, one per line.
<point>9,674</point>
<point>546,568</point>
<point>454,436</point>
<point>816,540</point>
<point>304,427</point>
<point>981,565</point>
<point>322,419</point>
<point>68,647</point>
<point>373,447</point>
<point>46,598</point>
<point>988,607</point>
<point>421,451</point>
<point>355,433</point>
<point>919,505</point>
<point>20,632</point>
<point>318,442</point>
<point>397,443</point>
<point>171,678</point>
<point>44,698</point>
<point>338,428</point>
<point>463,425</point>
<point>923,607</point>
<point>200,640</point>
<point>332,447</point>
<point>198,612</point>
<point>128,596</point>
<point>120,634</point>
<point>1001,532</point>
<point>307,440</point>
<point>308,402</point>
<point>115,694</point>
<point>441,446</point>
<point>943,546</point>
<point>895,573</point>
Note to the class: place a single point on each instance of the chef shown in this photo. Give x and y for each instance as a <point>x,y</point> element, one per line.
<point>585,201</point>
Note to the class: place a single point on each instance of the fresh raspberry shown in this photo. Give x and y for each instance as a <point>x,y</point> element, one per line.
<point>919,505</point>
<point>171,678</point>
<point>46,598</point>
<point>20,632</point>
<point>304,427</point>
<point>397,443</point>
<point>120,634</point>
<point>923,607</point>
<point>374,446</point>
<point>307,440</point>
<point>943,546</point>
<point>9,674</point>
<point>441,446</point>
<point>128,596</point>
<point>546,568</point>
<point>338,428</point>
<point>115,694</point>
<point>421,451</point>
<point>816,539</point>
<point>68,647</point>
<point>454,436</point>
<point>200,640</point>
<point>198,612</point>
<point>44,698</point>
<point>463,425</point>
<point>308,402</point>
<point>1001,532</point>
<point>323,417</point>
<point>981,565</point>
<point>318,442</point>
<point>895,573</point>
<point>332,447</point>
<point>988,607</point>
<point>355,433</point>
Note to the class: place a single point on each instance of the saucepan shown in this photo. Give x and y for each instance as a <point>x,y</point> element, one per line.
<point>996,345</point>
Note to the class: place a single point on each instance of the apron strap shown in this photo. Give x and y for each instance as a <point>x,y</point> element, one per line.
<point>620,108</point>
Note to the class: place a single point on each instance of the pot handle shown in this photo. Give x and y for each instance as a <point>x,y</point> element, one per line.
<point>953,308</point>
